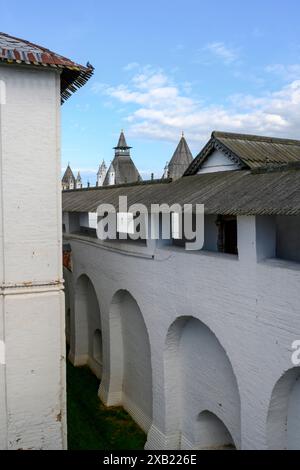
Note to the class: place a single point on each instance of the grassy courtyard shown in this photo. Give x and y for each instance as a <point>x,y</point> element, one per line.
<point>91,425</point>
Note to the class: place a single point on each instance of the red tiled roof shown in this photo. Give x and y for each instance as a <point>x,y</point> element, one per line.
<point>19,51</point>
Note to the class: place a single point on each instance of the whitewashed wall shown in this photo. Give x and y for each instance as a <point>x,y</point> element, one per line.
<point>217,161</point>
<point>136,357</point>
<point>249,304</point>
<point>205,386</point>
<point>32,300</point>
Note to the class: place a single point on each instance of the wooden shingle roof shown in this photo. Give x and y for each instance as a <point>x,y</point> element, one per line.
<point>68,175</point>
<point>19,51</point>
<point>249,151</point>
<point>125,171</point>
<point>180,160</point>
<point>242,192</point>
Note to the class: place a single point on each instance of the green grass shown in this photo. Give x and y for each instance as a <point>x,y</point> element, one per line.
<point>91,425</point>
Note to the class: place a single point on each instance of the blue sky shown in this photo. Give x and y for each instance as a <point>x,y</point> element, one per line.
<point>166,66</point>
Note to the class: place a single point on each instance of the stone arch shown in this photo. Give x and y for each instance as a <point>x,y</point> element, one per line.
<point>283,421</point>
<point>198,377</point>
<point>87,322</point>
<point>130,375</point>
<point>212,433</point>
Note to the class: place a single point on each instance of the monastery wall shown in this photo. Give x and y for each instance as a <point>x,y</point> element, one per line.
<point>197,346</point>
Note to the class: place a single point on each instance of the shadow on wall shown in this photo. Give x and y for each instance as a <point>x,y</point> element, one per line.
<point>130,380</point>
<point>212,433</point>
<point>201,391</point>
<point>283,422</point>
<point>202,396</point>
<point>88,333</point>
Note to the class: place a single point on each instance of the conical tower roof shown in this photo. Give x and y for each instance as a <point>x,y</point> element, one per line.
<point>181,159</point>
<point>68,175</point>
<point>122,144</point>
<point>122,164</point>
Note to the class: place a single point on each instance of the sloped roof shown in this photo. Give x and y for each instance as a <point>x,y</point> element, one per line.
<point>88,199</point>
<point>180,160</point>
<point>122,144</point>
<point>68,175</point>
<point>242,192</point>
<point>249,151</point>
<point>19,51</point>
<point>125,171</point>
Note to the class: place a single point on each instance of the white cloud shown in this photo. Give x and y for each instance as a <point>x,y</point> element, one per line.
<point>287,72</point>
<point>223,52</point>
<point>160,109</point>
<point>130,66</point>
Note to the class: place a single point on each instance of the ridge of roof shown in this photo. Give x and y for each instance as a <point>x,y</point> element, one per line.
<point>253,137</point>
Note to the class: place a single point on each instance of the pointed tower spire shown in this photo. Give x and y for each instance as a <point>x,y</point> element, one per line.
<point>68,180</point>
<point>122,169</point>
<point>180,160</point>
<point>122,148</point>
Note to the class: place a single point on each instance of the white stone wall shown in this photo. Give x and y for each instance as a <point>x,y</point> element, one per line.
<point>206,386</point>
<point>247,305</point>
<point>217,161</point>
<point>136,357</point>
<point>31,292</point>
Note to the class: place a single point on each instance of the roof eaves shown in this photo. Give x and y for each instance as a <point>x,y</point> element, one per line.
<point>196,163</point>
<point>219,145</point>
<point>73,75</point>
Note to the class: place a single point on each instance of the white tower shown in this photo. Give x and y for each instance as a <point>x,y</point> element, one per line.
<point>101,174</point>
<point>78,183</point>
<point>32,318</point>
<point>166,171</point>
<point>111,175</point>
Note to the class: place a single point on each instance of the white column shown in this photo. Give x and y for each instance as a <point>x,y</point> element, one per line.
<point>256,238</point>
